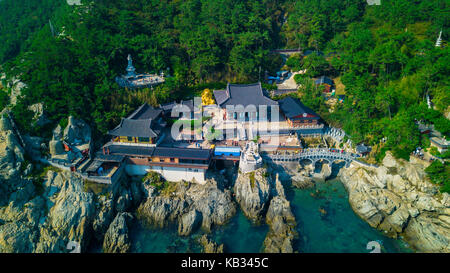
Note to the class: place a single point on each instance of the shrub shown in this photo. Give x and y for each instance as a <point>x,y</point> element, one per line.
<point>439,174</point>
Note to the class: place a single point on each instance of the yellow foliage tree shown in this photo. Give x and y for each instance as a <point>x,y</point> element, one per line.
<point>207,97</point>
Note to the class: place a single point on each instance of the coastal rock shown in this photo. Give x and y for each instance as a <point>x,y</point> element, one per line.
<point>302,182</point>
<point>252,193</point>
<point>160,210</point>
<point>189,222</point>
<point>117,237</point>
<point>396,222</point>
<point>398,199</point>
<point>325,172</point>
<point>12,157</point>
<point>12,153</point>
<point>212,201</point>
<point>15,238</point>
<point>281,221</point>
<point>72,214</point>
<point>103,218</point>
<point>210,246</point>
<point>215,204</point>
<point>124,201</point>
<point>428,233</point>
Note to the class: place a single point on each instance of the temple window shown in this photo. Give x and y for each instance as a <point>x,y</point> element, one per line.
<point>144,139</point>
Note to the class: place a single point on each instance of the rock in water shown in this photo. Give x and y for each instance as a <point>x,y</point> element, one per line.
<point>117,237</point>
<point>189,222</point>
<point>253,192</point>
<point>302,182</point>
<point>159,211</point>
<point>281,221</point>
<point>214,204</point>
<point>210,246</point>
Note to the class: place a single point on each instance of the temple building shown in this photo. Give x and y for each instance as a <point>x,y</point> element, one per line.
<point>174,164</point>
<point>142,127</point>
<point>249,96</point>
<point>184,108</point>
<point>326,82</point>
<point>133,80</point>
<point>298,115</point>
<point>134,149</point>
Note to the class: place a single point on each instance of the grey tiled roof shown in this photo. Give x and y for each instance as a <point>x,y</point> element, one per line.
<point>134,128</point>
<point>167,107</point>
<point>190,153</point>
<point>108,157</point>
<point>362,149</point>
<point>293,107</point>
<point>324,79</point>
<point>242,94</point>
<point>130,150</point>
<point>145,111</point>
<point>220,96</point>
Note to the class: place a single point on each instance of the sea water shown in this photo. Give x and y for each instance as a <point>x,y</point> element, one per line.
<point>325,223</point>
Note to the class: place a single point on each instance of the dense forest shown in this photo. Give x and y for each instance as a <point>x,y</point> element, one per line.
<point>385,56</point>
<point>19,20</point>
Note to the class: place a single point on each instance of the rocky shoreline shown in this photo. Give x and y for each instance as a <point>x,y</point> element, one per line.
<point>44,210</point>
<point>398,199</point>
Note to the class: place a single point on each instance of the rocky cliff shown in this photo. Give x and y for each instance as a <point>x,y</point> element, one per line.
<point>253,192</point>
<point>117,237</point>
<point>44,210</point>
<point>398,199</point>
<point>190,205</point>
<point>263,198</point>
<point>282,225</point>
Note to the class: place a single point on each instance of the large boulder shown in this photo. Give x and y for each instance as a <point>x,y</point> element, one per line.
<point>282,225</point>
<point>189,222</point>
<point>282,232</point>
<point>103,217</point>
<point>77,132</point>
<point>117,238</point>
<point>253,192</point>
<point>210,246</point>
<point>160,211</point>
<point>213,203</point>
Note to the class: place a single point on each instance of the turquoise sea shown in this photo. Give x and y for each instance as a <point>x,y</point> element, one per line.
<point>325,222</point>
